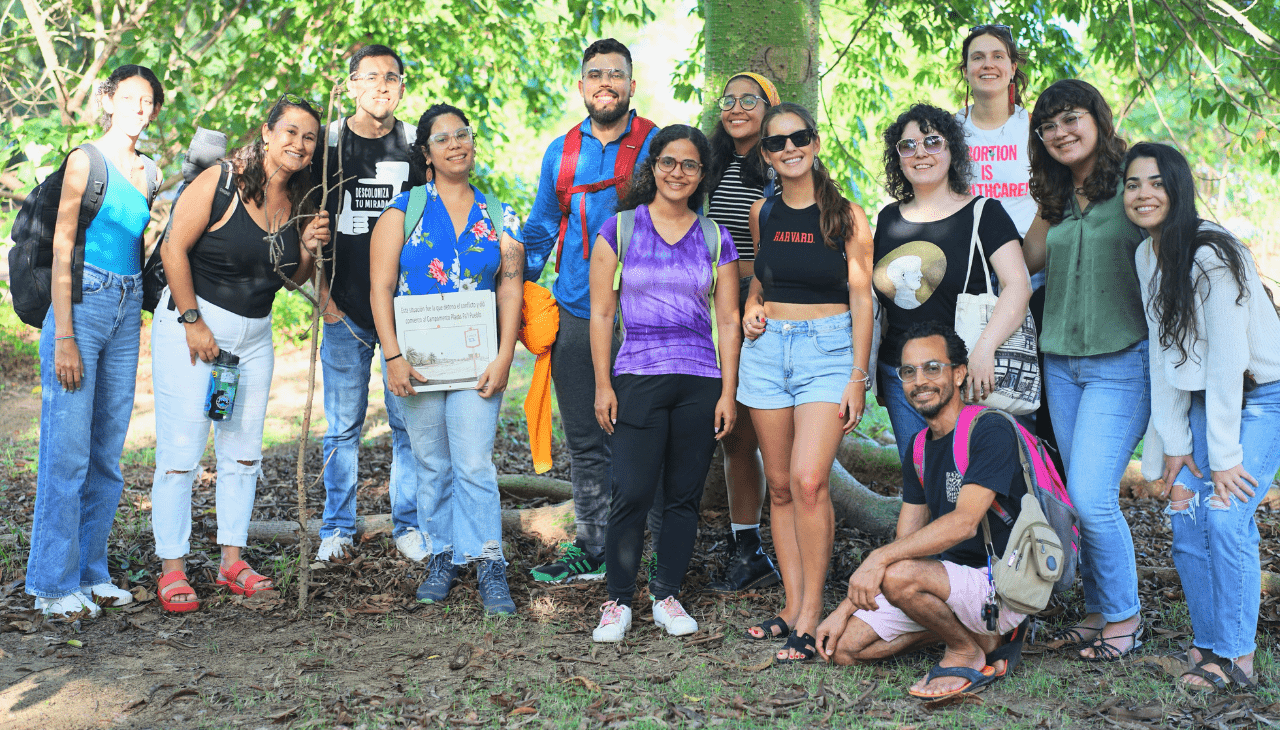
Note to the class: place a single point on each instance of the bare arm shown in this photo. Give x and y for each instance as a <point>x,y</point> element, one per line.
<point>753,319</point>
<point>729,332</point>
<point>510,294</point>
<point>1010,312</point>
<point>858,252</point>
<point>190,220</point>
<point>385,244</point>
<point>1034,250</point>
<point>68,366</point>
<point>604,304</point>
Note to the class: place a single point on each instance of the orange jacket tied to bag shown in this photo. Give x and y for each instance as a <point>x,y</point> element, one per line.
<point>538,332</point>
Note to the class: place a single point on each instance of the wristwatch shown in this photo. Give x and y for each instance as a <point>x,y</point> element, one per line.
<point>189,316</point>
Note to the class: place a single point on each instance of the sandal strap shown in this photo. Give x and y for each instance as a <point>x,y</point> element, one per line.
<point>766,628</point>
<point>233,571</point>
<point>1235,673</point>
<point>1072,634</point>
<point>1199,671</point>
<point>168,590</point>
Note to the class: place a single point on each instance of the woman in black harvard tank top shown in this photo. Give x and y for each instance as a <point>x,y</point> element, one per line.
<point>803,371</point>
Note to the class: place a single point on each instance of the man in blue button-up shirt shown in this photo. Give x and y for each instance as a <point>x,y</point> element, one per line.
<point>606,87</point>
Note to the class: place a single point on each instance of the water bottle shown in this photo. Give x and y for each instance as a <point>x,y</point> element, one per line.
<point>221,400</point>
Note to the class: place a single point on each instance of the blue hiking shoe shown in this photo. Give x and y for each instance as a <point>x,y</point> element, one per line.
<point>441,575</point>
<point>494,593</point>
<point>574,564</point>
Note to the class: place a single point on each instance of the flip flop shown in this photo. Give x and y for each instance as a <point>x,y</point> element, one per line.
<point>1011,650</point>
<point>767,627</point>
<point>977,681</point>
<point>803,644</point>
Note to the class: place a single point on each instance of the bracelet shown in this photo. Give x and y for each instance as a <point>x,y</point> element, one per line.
<point>64,337</point>
<point>865,377</point>
<point>389,359</point>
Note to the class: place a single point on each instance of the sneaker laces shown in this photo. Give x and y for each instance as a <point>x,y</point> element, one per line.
<point>672,607</point>
<point>492,576</point>
<point>569,550</point>
<point>612,613</point>
<point>439,566</point>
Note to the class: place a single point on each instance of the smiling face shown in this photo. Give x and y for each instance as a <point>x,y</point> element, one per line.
<point>293,141</point>
<point>453,157</point>
<point>677,184</point>
<point>740,124</point>
<point>1075,148</point>
<point>988,68</point>
<point>791,162</point>
<point>607,99</point>
<point>1146,200</point>
<point>376,97</point>
<point>924,170</point>
<point>929,396</point>
<point>132,107</point>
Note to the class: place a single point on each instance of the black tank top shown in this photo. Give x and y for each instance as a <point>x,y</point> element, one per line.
<point>231,267</point>
<point>794,265</point>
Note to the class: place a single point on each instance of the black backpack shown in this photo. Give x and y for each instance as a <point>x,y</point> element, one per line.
<point>206,147</point>
<point>31,258</point>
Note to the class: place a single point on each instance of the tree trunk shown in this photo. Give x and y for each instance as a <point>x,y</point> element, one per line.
<point>777,39</point>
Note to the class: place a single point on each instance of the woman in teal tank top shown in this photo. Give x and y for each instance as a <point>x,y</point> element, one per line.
<point>89,357</point>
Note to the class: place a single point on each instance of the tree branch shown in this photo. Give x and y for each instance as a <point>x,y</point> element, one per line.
<point>35,16</point>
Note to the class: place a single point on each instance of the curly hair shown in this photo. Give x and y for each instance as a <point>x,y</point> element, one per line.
<point>957,351</point>
<point>644,187</point>
<point>930,119</point>
<point>419,168</point>
<point>1051,183</point>
<point>835,219</point>
<point>108,89</point>
<point>723,149</point>
<point>252,175</point>
<point>1005,36</point>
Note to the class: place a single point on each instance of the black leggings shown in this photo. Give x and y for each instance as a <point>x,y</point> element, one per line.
<point>665,428</point>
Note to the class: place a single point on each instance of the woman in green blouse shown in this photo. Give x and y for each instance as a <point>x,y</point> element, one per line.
<point>1094,343</point>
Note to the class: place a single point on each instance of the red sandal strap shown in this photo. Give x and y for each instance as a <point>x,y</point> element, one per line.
<point>232,572</point>
<point>168,590</point>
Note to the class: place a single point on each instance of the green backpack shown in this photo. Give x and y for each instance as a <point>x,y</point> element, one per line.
<point>710,235</point>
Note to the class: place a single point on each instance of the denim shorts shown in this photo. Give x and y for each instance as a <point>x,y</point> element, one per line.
<point>796,362</point>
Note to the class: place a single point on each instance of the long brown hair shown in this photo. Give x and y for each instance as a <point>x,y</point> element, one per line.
<point>835,219</point>
<point>252,175</point>
<point>1051,183</point>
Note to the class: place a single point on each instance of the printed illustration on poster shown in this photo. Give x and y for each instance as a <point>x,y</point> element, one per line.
<point>448,338</point>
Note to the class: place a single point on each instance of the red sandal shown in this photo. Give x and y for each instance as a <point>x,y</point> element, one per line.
<point>227,577</point>
<point>167,590</point>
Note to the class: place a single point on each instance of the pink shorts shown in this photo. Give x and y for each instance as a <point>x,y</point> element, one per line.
<point>969,589</point>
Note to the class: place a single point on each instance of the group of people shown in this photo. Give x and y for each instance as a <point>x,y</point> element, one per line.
<point>1150,319</point>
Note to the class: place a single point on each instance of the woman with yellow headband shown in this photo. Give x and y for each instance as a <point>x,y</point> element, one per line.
<point>737,179</point>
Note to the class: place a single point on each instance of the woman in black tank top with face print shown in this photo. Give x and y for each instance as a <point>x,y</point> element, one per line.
<point>803,368</point>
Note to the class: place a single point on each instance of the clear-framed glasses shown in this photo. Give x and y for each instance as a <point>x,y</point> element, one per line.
<point>463,135</point>
<point>667,163</point>
<point>778,142</point>
<point>1066,124</point>
<point>932,370</point>
<point>596,75</point>
<point>746,101</point>
<point>932,144</point>
<point>392,78</point>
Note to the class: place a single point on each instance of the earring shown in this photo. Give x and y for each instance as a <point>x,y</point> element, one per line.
<point>1012,92</point>
<point>816,166</point>
<point>266,146</point>
<point>771,173</point>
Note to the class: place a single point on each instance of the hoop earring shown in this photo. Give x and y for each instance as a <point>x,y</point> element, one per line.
<point>771,173</point>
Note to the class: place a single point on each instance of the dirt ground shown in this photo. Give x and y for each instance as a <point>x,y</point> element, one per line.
<point>365,655</point>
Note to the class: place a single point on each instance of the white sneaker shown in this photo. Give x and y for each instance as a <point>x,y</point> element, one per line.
<point>107,594</point>
<point>411,545</point>
<point>333,546</point>
<point>614,622</point>
<point>67,605</point>
<point>670,615</point>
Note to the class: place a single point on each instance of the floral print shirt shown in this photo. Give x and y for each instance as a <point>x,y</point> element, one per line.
<point>434,262</point>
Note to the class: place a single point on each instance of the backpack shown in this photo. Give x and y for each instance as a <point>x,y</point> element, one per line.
<point>1048,527</point>
<point>710,235</point>
<point>624,165</point>
<point>418,204</point>
<point>31,258</point>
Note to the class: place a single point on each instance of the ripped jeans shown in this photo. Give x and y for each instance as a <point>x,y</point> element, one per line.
<point>182,429</point>
<point>1216,548</point>
<point>452,433</point>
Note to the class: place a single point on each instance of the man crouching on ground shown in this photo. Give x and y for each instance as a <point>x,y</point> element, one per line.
<point>902,598</point>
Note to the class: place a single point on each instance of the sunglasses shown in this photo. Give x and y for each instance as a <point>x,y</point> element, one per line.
<point>933,144</point>
<point>1008,30</point>
<point>295,100</point>
<point>746,101</point>
<point>778,142</point>
<point>931,370</point>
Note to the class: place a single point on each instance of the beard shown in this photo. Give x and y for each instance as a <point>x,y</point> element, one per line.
<point>946,391</point>
<point>609,116</point>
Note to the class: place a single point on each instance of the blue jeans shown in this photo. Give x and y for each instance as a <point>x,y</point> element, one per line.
<point>82,434</point>
<point>906,421</point>
<point>452,433</point>
<point>1100,406</point>
<point>1216,548</point>
<point>347,355</point>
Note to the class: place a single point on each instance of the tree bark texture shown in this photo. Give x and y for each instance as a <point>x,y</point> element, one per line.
<point>777,39</point>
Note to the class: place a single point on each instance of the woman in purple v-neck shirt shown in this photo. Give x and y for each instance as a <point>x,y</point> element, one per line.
<point>671,393</point>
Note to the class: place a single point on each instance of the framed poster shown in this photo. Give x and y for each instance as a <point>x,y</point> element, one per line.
<point>448,338</point>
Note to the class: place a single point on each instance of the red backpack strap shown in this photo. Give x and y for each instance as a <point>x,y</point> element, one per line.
<point>624,165</point>
<point>917,455</point>
<point>564,183</point>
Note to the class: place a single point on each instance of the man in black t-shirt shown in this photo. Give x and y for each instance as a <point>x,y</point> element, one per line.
<point>373,150</point>
<point>902,596</point>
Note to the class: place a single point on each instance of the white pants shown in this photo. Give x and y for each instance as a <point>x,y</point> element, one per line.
<point>182,429</point>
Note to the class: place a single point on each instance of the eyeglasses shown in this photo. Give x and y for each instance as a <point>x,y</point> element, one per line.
<point>778,142</point>
<point>667,163</point>
<point>463,135</point>
<point>933,144</point>
<point>596,75</point>
<point>392,78</point>
<point>932,370</point>
<point>746,101</point>
<point>1066,125</point>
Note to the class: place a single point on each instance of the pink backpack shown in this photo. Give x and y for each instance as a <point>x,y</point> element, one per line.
<point>1042,478</point>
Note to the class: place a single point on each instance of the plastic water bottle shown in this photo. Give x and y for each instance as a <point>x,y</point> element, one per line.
<point>223,379</point>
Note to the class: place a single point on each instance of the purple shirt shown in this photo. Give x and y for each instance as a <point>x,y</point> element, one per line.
<point>664,300</point>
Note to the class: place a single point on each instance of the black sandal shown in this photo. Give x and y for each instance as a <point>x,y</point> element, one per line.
<point>1237,675</point>
<point>1105,651</point>
<point>803,644</point>
<point>767,627</point>
<point>1217,682</point>
<point>1070,637</point>
<point>1011,650</point>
